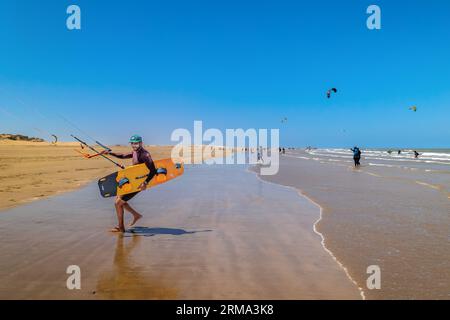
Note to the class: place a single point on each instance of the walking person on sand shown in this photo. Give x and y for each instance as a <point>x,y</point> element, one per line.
<point>259,154</point>
<point>139,155</point>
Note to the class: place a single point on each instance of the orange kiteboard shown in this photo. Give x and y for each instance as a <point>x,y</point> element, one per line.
<point>129,179</point>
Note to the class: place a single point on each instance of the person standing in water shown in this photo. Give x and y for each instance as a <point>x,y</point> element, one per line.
<point>138,155</point>
<point>356,155</point>
<point>416,154</point>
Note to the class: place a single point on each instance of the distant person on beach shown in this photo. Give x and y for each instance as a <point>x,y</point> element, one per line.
<point>259,154</point>
<point>284,150</point>
<point>356,155</point>
<point>399,151</point>
<point>416,154</point>
<point>139,155</point>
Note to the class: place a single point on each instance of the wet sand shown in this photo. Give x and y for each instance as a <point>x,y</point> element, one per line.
<point>395,216</point>
<point>219,232</point>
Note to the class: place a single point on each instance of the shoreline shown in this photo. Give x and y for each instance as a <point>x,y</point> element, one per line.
<point>365,216</point>
<point>245,239</point>
<point>374,216</point>
<point>27,201</point>
<point>314,229</point>
<point>361,291</point>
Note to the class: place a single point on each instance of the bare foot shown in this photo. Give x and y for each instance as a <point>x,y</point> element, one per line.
<point>135,219</point>
<point>116,229</point>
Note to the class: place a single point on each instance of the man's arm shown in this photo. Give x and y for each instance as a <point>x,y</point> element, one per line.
<point>121,155</point>
<point>150,165</point>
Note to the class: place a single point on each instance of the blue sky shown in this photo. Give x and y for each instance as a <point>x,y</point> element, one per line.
<point>149,67</point>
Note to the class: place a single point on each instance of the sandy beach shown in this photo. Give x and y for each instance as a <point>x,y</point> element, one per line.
<point>35,170</point>
<point>224,232</point>
<point>392,212</point>
<point>219,232</point>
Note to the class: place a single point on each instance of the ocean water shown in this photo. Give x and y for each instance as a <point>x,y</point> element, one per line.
<point>393,212</point>
<point>431,168</point>
<point>429,158</point>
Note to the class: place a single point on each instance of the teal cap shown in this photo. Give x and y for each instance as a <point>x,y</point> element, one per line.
<point>135,138</point>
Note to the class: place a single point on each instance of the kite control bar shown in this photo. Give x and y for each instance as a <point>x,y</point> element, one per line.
<point>98,153</point>
<point>103,146</point>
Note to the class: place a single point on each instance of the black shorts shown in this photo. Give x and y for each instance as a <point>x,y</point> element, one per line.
<point>129,196</point>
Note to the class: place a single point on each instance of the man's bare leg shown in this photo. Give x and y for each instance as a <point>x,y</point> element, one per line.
<point>136,215</point>
<point>119,204</point>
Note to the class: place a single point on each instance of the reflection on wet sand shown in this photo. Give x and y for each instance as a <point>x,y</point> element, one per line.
<point>128,279</point>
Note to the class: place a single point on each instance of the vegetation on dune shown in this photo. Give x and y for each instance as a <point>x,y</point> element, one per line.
<point>19,137</point>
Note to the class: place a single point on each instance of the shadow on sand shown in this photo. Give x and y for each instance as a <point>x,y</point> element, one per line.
<point>148,232</point>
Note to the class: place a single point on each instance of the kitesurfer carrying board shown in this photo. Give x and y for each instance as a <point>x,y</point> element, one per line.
<point>139,155</point>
